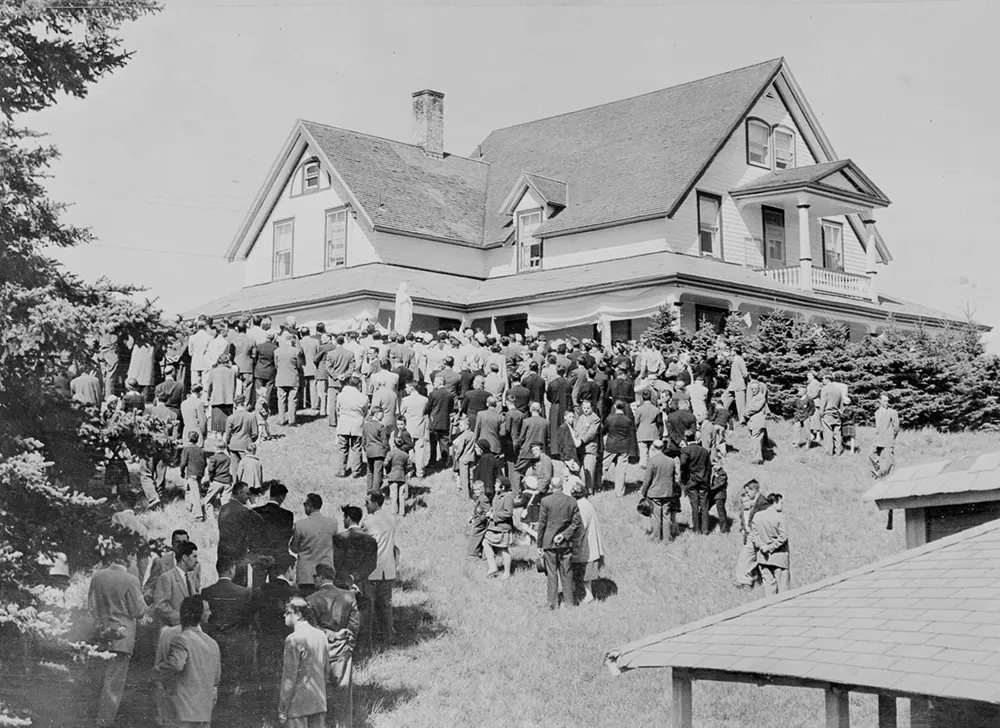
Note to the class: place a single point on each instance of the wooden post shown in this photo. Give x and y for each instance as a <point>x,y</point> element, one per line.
<point>838,706</point>
<point>871,256</point>
<point>886,711</point>
<point>805,249</point>
<point>683,714</point>
<point>916,528</point>
<point>920,713</point>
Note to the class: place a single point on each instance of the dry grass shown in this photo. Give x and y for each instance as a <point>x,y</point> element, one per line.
<point>485,653</point>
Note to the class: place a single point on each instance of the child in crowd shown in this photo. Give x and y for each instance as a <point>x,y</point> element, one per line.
<point>479,521</point>
<point>193,467</point>
<point>250,470</point>
<point>404,438</point>
<point>263,411</point>
<point>397,471</point>
<point>717,491</point>
<point>220,476</point>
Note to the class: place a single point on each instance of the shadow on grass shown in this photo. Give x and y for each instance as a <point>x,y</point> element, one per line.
<point>373,699</point>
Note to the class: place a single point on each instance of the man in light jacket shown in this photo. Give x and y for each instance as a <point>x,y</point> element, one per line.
<point>738,376</point>
<point>351,407</point>
<point>191,668</point>
<point>381,525</point>
<point>312,541</point>
<point>770,539</point>
<point>288,365</point>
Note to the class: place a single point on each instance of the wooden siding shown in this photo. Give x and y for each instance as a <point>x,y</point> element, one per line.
<point>742,233</point>
<point>430,254</point>
<point>308,246</point>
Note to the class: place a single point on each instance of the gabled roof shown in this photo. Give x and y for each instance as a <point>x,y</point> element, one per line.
<point>813,176</point>
<point>626,160</point>
<point>923,622</point>
<point>973,474</point>
<point>548,191</point>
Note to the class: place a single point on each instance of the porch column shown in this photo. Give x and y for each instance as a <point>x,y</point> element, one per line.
<point>871,255</point>
<point>805,249</point>
<point>682,699</point>
<point>838,706</point>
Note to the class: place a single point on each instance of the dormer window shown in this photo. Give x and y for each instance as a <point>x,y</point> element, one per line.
<point>784,148</point>
<point>758,143</point>
<point>529,248</point>
<point>310,176</point>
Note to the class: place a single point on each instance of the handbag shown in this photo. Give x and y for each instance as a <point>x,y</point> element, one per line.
<point>645,507</point>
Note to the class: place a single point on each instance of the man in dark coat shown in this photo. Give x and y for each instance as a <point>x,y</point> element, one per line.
<point>623,388</point>
<point>278,522</point>
<point>489,425</point>
<point>560,396</point>
<point>229,625</point>
<point>355,557</point>
<point>440,405</point>
<point>559,523</point>
<point>264,370</point>
<point>661,485</point>
<point>239,527</point>
<point>535,385</point>
<point>619,444</point>
<point>696,471</point>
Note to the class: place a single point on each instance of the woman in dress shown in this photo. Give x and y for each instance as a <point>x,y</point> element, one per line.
<point>588,552</point>
<point>221,392</point>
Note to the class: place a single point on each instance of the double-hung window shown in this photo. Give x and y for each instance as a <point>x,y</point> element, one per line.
<point>784,148</point>
<point>529,248</point>
<point>310,177</point>
<point>833,245</point>
<point>758,143</point>
<point>710,224</point>
<point>336,238</point>
<point>774,237</point>
<point>283,242</point>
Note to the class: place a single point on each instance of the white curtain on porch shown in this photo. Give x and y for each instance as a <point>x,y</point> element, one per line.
<point>598,308</point>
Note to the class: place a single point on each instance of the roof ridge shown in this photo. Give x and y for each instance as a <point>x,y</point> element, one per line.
<point>735,612</point>
<point>545,176</point>
<point>387,139</point>
<point>779,59</point>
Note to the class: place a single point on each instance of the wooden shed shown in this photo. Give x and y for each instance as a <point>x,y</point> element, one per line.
<point>922,626</point>
<point>942,498</point>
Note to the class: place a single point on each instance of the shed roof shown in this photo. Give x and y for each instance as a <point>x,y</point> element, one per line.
<point>966,474</point>
<point>923,622</point>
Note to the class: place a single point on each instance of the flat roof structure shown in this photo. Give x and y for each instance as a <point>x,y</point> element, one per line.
<point>922,625</point>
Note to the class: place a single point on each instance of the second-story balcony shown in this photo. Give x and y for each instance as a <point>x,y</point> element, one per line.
<point>823,280</point>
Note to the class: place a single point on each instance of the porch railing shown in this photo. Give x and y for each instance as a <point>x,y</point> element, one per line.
<point>823,279</point>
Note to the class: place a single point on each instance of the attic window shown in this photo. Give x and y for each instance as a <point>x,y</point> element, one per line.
<point>784,148</point>
<point>758,143</point>
<point>310,176</point>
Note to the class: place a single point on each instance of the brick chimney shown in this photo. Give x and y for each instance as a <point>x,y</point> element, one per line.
<point>428,122</point>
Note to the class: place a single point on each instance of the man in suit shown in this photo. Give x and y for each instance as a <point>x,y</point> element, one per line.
<point>337,615</point>
<point>559,524</point>
<point>193,415</point>
<point>166,562</point>
<point>244,350</point>
<point>440,404</point>
<point>450,379</point>
<point>413,408</point>
<point>351,407</point>
<point>115,602</point>
<point>535,385</point>
<point>622,387</point>
<point>696,471</point>
<point>770,539</point>
<point>308,344</point>
<point>660,484</point>
<point>510,440</point>
<point>173,586</point>
<point>534,431</point>
<point>312,541</point>
<point>267,606</point>
<point>229,625</point>
<point>341,363</point>
<point>588,430</point>
<point>738,376</point>
<point>241,431</point>
<point>883,454</point>
<point>278,521</point>
<point>647,424</point>
<point>288,365</point>
<point>264,370</point>
<point>489,425</point>
<point>755,412</point>
<point>619,444</point>
<point>192,668</point>
<point>831,411</point>
<point>304,668</point>
<point>239,529</point>
<point>381,525</point>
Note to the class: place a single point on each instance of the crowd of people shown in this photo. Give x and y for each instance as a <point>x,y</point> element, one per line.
<point>529,429</point>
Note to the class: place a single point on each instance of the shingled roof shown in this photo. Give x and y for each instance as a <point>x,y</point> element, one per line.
<point>402,188</point>
<point>924,622</point>
<point>626,159</point>
<point>966,474</point>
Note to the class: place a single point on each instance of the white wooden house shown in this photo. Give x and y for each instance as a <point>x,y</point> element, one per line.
<point>722,194</point>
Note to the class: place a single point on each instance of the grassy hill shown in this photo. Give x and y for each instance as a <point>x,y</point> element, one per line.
<point>478,652</point>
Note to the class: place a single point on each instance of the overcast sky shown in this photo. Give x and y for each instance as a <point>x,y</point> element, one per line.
<point>163,158</point>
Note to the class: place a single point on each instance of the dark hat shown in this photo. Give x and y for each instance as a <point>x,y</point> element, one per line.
<point>484,445</point>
